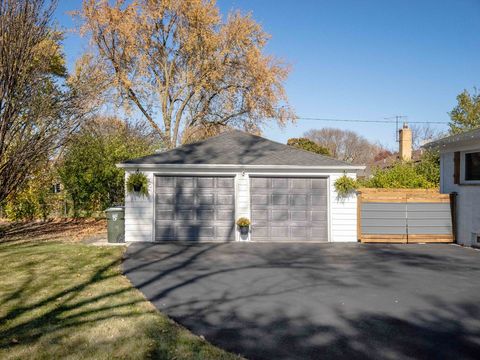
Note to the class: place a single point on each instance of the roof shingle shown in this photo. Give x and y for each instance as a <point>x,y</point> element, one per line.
<point>237,148</point>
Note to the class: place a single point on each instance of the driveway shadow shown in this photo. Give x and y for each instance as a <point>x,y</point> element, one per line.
<point>312,301</point>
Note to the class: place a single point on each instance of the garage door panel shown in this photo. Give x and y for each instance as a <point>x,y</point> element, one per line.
<point>259,183</point>
<point>225,199</point>
<point>224,232</point>
<point>185,182</point>
<point>298,233</point>
<point>299,183</point>
<point>259,200</point>
<point>165,181</point>
<point>225,183</point>
<point>166,232</point>
<point>279,199</point>
<point>319,215</point>
<point>191,208</point>
<point>279,232</point>
<point>279,215</point>
<point>259,231</point>
<point>298,200</point>
<point>168,199</point>
<point>299,215</point>
<point>185,215</point>
<point>206,182</point>
<point>205,214</point>
<point>279,183</point>
<point>318,200</point>
<point>319,184</point>
<point>318,233</point>
<point>225,215</point>
<point>206,199</point>
<point>259,215</point>
<point>183,199</point>
<point>289,209</point>
<point>164,215</point>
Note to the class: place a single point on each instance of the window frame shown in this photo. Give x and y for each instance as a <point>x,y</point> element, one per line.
<point>463,169</point>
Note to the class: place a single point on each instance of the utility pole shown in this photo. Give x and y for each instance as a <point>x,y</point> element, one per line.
<point>397,120</point>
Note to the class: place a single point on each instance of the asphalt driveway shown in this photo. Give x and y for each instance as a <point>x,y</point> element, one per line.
<point>318,301</point>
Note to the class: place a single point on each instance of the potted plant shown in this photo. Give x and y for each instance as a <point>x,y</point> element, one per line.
<point>137,183</point>
<point>244,225</point>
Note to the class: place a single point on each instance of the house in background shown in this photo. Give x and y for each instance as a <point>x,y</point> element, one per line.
<point>460,173</point>
<point>199,190</point>
<point>405,153</point>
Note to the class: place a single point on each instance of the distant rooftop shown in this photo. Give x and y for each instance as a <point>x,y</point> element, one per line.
<point>452,139</point>
<point>237,148</point>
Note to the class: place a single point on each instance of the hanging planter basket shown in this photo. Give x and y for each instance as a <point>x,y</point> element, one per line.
<point>137,183</point>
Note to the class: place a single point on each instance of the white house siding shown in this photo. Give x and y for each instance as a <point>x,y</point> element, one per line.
<point>242,199</point>
<point>139,211</point>
<point>343,214</point>
<point>468,198</point>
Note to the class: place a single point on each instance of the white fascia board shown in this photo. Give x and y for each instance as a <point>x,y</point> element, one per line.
<point>240,167</point>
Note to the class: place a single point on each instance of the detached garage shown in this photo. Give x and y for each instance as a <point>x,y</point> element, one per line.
<point>197,192</point>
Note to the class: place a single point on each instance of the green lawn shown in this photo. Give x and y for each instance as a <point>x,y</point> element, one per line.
<point>61,300</point>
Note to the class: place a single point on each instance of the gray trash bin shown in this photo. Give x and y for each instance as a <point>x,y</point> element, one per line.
<point>116,224</point>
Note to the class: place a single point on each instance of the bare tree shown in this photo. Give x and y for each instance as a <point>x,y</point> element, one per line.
<point>345,145</point>
<point>183,68</point>
<point>36,112</point>
<point>422,134</point>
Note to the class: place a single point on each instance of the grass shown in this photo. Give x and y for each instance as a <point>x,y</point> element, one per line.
<point>68,300</point>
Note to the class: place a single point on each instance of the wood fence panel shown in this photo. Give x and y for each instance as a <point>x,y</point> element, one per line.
<point>405,216</point>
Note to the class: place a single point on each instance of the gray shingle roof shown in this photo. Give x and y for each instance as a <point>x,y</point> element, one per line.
<point>458,138</point>
<point>237,148</point>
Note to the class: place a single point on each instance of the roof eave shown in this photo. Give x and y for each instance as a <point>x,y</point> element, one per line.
<point>238,166</point>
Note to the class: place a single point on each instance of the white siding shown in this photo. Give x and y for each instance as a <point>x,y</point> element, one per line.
<point>242,200</point>
<point>343,214</point>
<point>468,197</point>
<point>139,212</point>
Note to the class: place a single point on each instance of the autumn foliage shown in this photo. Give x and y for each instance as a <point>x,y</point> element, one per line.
<point>180,65</point>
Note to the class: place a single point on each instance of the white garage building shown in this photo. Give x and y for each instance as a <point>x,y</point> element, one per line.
<point>198,191</point>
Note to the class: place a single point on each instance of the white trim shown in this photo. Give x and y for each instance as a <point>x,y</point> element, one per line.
<point>154,204</point>
<point>463,181</point>
<point>329,210</point>
<point>239,166</point>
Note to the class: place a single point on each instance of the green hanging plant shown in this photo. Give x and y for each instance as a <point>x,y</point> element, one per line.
<point>137,183</point>
<point>345,186</point>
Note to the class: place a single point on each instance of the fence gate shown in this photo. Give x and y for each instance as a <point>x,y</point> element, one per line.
<point>405,216</point>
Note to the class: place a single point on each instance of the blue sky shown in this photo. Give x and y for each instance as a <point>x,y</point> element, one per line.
<point>360,59</point>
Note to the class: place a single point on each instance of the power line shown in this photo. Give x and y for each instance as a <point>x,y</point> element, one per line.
<point>368,121</point>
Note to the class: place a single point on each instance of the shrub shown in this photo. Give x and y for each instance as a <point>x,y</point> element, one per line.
<point>308,145</point>
<point>401,175</point>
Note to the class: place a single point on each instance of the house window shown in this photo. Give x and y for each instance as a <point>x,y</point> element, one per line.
<point>472,166</point>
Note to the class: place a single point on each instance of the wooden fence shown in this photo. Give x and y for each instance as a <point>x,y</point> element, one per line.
<point>405,216</point>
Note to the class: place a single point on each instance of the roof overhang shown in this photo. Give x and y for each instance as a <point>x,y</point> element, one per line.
<point>455,140</point>
<point>238,166</point>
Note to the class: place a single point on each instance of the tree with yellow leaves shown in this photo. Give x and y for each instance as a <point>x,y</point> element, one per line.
<point>183,67</point>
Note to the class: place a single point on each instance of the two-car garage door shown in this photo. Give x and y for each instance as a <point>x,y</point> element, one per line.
<point>202,208</point>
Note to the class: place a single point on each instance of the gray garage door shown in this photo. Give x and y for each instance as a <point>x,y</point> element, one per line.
<point>193,208</point>
<point>289,209</point>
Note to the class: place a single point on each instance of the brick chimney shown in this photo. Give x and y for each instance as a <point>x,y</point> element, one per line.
<point>405,136</point>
